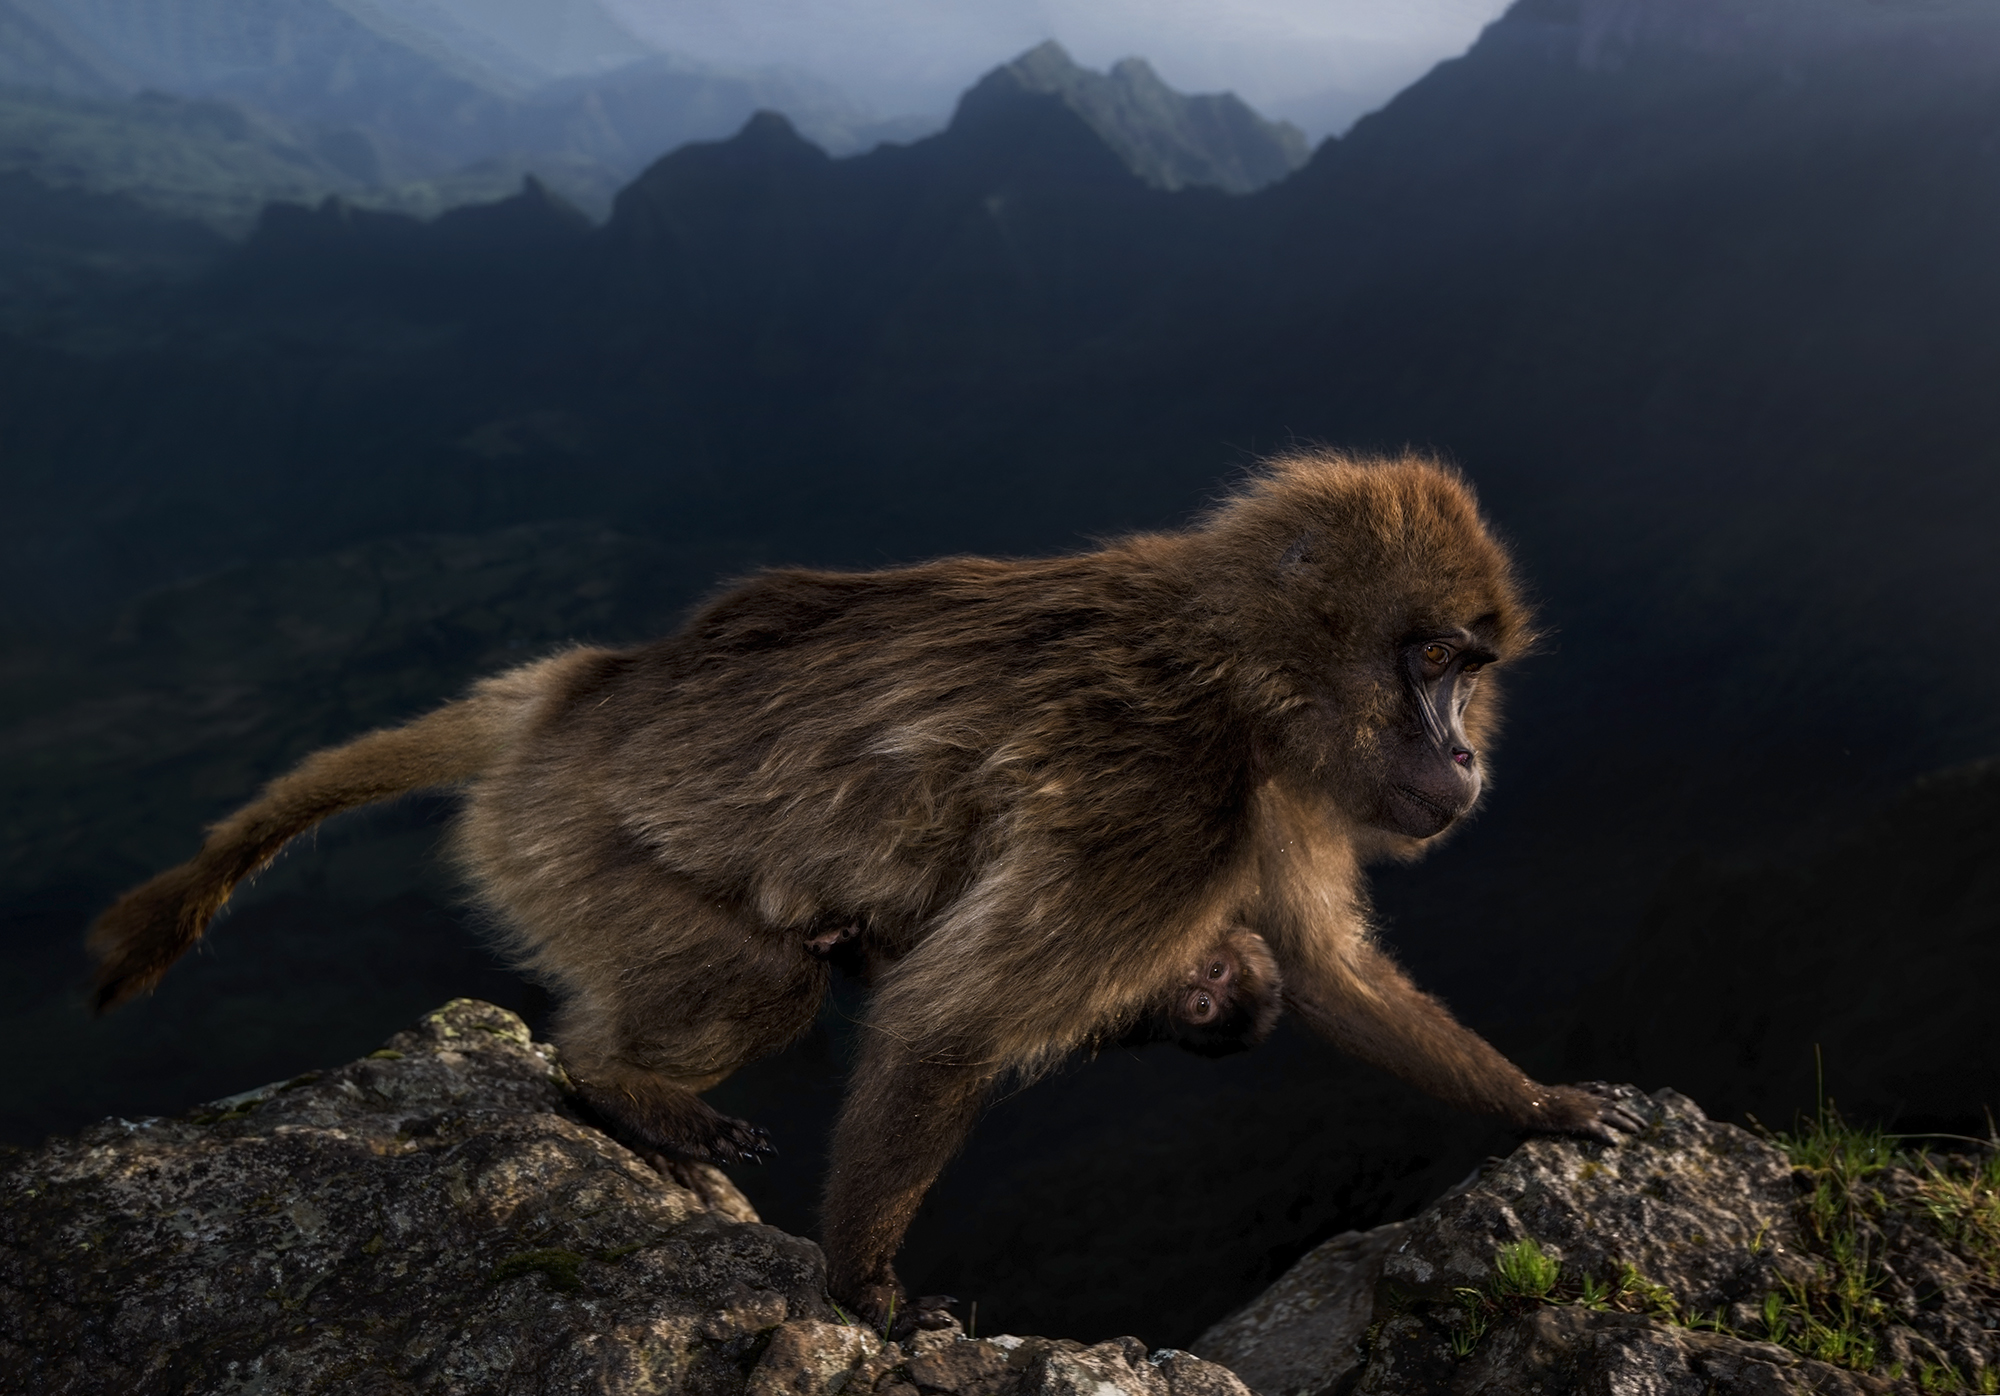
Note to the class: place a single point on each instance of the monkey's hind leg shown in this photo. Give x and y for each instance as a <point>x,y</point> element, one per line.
<point>696,993</point>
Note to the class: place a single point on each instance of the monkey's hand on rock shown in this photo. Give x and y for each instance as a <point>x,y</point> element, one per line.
<point>1590,1109</point>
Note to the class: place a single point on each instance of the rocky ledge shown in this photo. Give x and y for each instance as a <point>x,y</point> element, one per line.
<point>436,1218</point>
<point>1694,1258</point>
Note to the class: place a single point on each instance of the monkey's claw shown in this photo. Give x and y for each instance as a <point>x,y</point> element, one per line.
<point>1610,1126</point>
<point>1590,1110</point>
<point>1613,1114</point>
<point>739,1141</point>
<point>662,1118</point>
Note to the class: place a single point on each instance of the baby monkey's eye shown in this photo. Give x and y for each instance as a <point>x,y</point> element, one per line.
<point>1437,654</point>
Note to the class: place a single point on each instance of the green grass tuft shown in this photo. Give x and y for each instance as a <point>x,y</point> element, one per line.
<point>1836,1315</point>
<point>1523,1269</point>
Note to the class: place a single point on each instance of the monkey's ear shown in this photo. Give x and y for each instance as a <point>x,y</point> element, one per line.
<point>1300,551</point>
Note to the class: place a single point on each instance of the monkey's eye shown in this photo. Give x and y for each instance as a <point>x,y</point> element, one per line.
<point>1437,654</point>
<point>1472,668</point>
<point>1217,970</point>
<point>1203,1007</point>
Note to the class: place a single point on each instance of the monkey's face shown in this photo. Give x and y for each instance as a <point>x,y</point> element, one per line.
<point>1427,774</point>
<point>1210,989</point>
<point>1374,596</point>
<point>1228,1000</point>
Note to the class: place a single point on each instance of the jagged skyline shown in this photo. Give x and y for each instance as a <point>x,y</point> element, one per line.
<point>1319,65</point>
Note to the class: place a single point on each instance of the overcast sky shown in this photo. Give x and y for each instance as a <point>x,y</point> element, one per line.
<point>1317,62</point>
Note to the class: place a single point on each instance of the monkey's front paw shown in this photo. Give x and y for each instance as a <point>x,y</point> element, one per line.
<point>1590,1109</point>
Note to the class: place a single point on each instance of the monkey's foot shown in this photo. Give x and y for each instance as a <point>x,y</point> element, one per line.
<point>1589,1109</point>
<point>667,1119</point>
<point>928,1314</point>
<point>877,1304</point>
<point>718,1139</point>
<point>731,1140</point>
<point>748,1144</point>
<point>883,1307</point>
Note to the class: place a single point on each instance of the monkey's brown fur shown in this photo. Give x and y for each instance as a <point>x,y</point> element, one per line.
<point>1039,789</point>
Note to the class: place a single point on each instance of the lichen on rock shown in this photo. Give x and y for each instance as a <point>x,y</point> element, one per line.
<point>436,1218</point>
<point>1685,1259</point>
<point>431,1217</point>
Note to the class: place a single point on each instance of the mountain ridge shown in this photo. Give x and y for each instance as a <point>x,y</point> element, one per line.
<point>408,94</point>
<point>1169,140</point>
<point>303,130</point>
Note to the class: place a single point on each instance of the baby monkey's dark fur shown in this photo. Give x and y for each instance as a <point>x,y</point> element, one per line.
<point>1028,795</point>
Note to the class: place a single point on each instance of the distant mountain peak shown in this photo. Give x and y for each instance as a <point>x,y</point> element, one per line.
<point>1169,139</point>
<point>767,127</point>
<point>768,140</point>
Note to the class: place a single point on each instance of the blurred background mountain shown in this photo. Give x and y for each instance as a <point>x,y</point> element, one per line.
<point>1700,293</point>
<point>209,111</point>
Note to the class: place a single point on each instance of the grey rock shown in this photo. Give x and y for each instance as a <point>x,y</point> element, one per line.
<point>1061,1367</point>
<point>808,1357</point>
<point>435,1218</point>
<point>430,1218</point>
<point>1702,1208</point>
<point>1708,1215</point>
<point>1306,1331</point>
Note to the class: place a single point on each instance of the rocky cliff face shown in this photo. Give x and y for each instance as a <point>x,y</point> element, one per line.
<point>436,1218</point>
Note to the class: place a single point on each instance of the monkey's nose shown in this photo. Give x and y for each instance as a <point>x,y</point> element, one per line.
<point>1461,756</point>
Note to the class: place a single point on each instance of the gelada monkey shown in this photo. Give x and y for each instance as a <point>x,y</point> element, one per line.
<point>1227,1000</point>
<point>1034,792</point>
